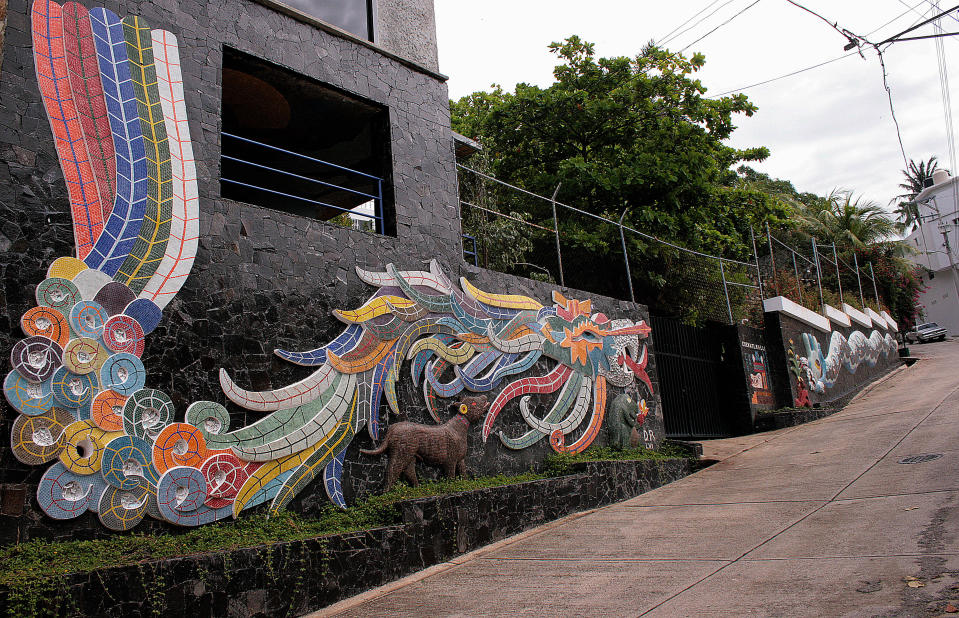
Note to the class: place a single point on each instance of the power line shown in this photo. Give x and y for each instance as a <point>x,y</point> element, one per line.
<point>899,16</point>
<point>947,108</point>
<point>668,38</point>
<point>935,5</point>
<point>915,10</point>
<point>775,79</point>
<point>892,110</point>
<point>720,25</point>
<point>940,35</point>
<point>821,64</point>
<point>835,25</point>
<point>854,40</point>
<point>893,38</point>
<point>691,18</point>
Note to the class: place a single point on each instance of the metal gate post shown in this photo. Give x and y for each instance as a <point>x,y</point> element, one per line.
<point>798,280</point>
<point>835,256</point>
<point>855,260</point>
<point>729,307</point>
<point>875,290</point>
<point>559,254</point>
<point>815,256</point>
<point>759,274</point>
<point>772,258</point>
<point>622,238</point>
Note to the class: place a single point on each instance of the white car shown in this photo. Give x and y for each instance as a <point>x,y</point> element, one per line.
<point>923,333</point>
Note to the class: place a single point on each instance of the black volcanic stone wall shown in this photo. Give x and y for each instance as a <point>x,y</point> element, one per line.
<point>848,384</point>
<point>262,279</point>
<point>298,577</point>
<point>757,398</point>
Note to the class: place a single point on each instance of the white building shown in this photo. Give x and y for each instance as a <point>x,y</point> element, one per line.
<point>939,212</point>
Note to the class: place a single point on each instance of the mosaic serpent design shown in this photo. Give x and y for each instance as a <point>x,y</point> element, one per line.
<point>822,371</point>
<point>115,446</point>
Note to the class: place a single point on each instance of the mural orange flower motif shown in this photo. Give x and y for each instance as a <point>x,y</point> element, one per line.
<point>579,347</point>
<point>569,308</point>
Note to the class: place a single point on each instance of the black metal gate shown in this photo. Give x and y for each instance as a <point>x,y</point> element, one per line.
<point>700,377</point>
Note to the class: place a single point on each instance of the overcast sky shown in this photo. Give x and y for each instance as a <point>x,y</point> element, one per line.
<point>826,128</point>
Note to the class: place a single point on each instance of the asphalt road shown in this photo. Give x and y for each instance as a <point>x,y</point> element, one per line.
<point>817,520</point>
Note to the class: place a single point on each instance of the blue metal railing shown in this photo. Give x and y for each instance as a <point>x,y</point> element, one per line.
<point>467,253</point>
<point>377,198</point>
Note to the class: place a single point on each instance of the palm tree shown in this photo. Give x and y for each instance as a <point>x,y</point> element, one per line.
<point>846,220</point>
<point>916,178</point>
<point>858,223</point>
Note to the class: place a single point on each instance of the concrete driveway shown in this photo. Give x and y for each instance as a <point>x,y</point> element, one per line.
<point>817,520</point>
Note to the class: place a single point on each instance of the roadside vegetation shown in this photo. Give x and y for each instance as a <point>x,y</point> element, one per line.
<point>641,137</point>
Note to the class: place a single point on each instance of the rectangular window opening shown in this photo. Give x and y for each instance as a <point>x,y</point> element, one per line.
<point>354,16</point>
<point>294,144</point>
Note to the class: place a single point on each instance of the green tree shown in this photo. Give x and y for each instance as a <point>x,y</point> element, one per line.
<point>915,180</point>
<point>897,280</point>
<point>624,134</point>
<point>846,220</point>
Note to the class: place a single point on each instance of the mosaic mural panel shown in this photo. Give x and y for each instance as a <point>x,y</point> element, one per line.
<point>115,446</point>
<point>818,372</point>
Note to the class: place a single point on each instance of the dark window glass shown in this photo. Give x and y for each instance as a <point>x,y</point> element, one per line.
<point>291,143</point>
<point>354,16</point>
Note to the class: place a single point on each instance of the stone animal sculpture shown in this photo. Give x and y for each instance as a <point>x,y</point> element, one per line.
<point>625,413</point>
<point>442,446</point>
<point>113,445</point>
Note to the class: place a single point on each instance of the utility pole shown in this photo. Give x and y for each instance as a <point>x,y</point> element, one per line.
<point>944,230</point>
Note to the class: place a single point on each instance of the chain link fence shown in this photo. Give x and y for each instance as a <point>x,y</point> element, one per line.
<point>509,229</point>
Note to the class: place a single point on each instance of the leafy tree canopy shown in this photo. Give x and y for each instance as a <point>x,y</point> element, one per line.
<point>626,133</point>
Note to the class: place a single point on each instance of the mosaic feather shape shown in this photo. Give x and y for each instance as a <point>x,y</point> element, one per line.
<point>53,77</point>
<point>150,246</point>
<point>123,224</point>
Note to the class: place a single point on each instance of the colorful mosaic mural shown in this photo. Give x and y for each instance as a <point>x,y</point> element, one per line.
<point>114,96</point>
<point>818,372</point>
<point>118,450</point>
<point>850,353</point>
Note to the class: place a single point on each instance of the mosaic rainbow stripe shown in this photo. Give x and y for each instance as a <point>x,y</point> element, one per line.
<point>113,90</point>
<point>53,77</point>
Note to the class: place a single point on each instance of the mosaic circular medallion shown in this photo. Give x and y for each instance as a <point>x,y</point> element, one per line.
<point>57,293</point>
<point>36,358</point>
<point>124,373</point>
<point>37,440</point>
<point>87,318</point>
<point>121,333</point>
<point>107,410</point>
<point>146,413</point>
<point>30,398</point>
<point>46,322</point>
<point>72,390</point>
<point>125,459</point>
<point>84,355</point>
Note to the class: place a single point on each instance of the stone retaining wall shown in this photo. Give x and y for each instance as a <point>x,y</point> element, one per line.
<point>301,576</point>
